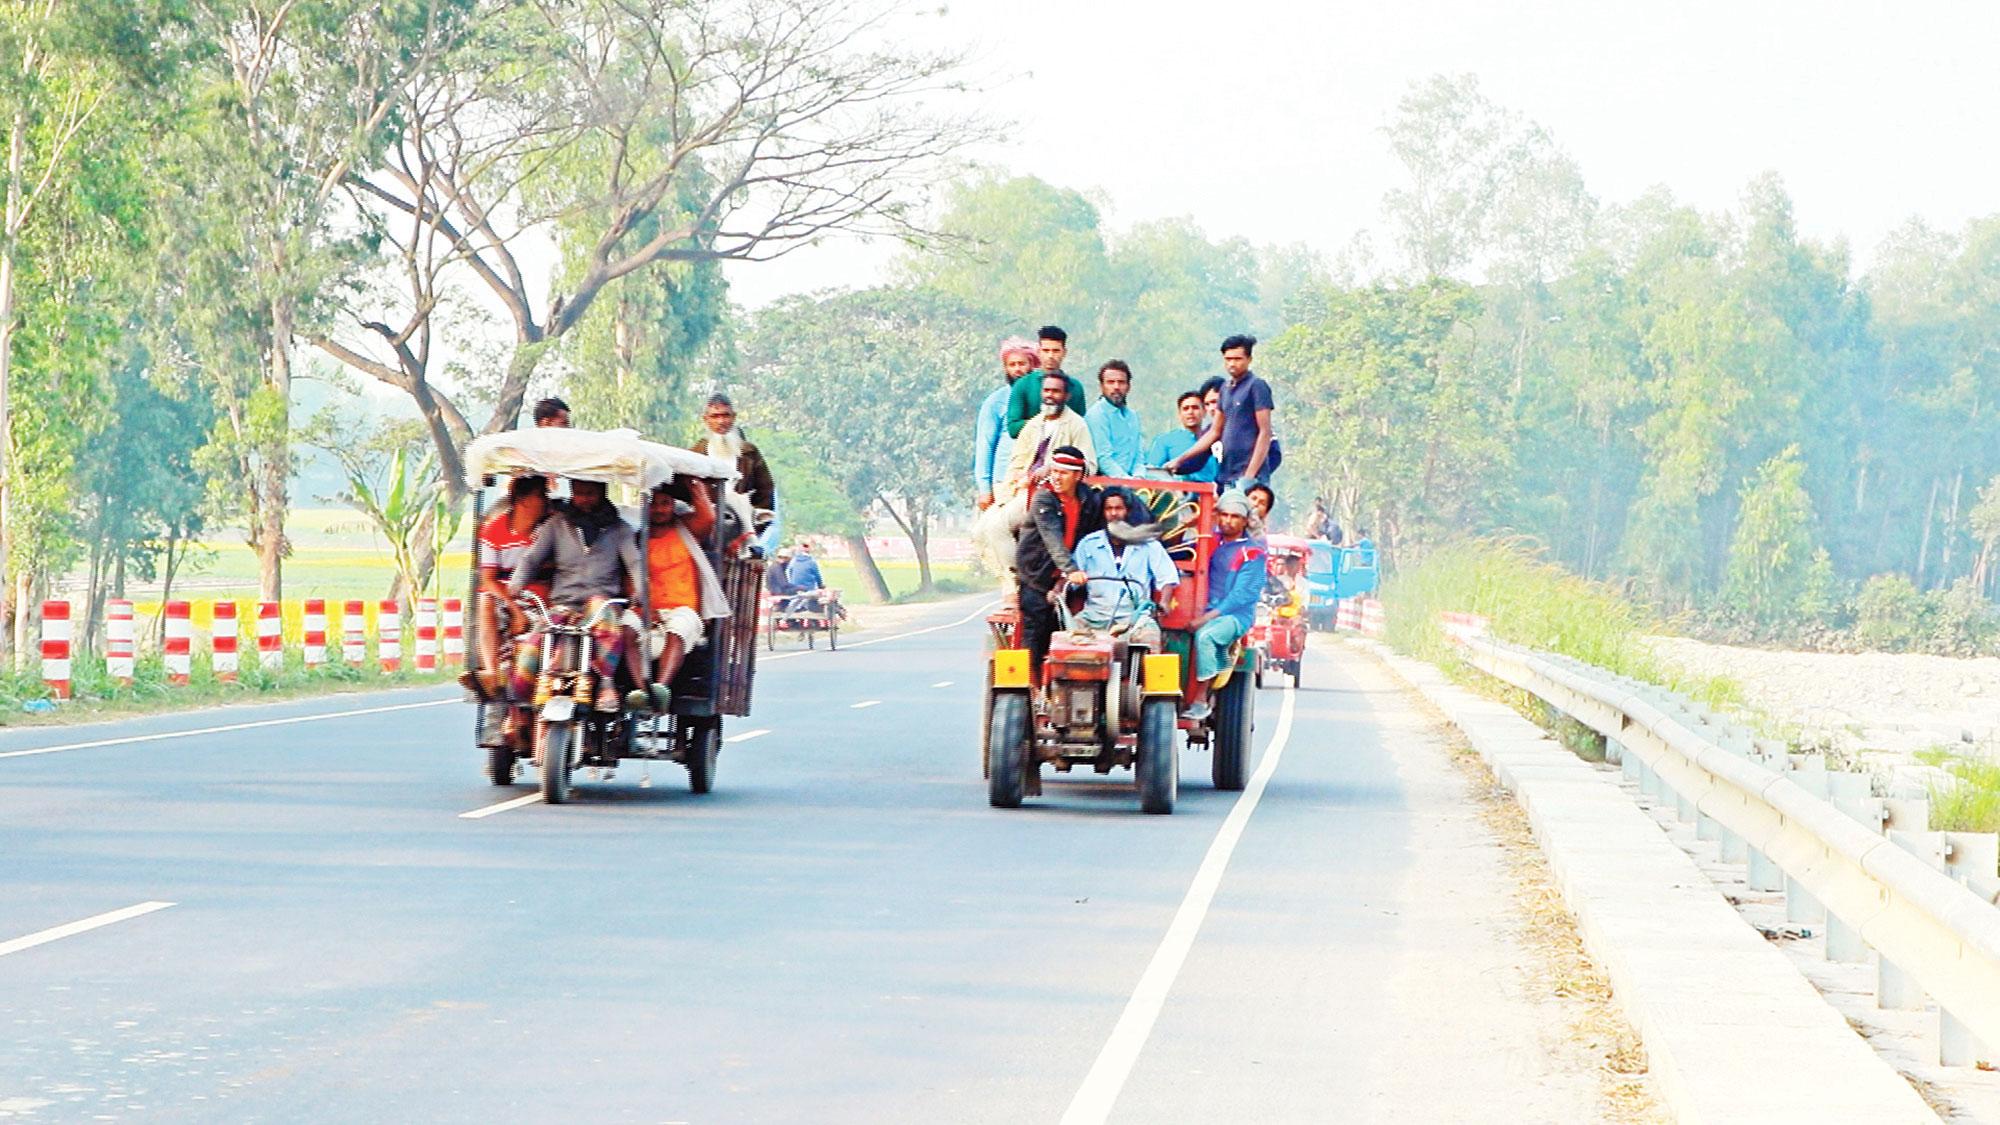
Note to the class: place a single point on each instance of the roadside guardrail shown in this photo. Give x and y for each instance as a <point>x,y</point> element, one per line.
<point>1865,866</point>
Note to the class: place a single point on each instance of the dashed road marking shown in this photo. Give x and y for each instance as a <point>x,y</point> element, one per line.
<point>503,806</point>
<point>864,703</point>
<point>71,929</point>
<point>942,683</point>
<point>747,735</point>
<point>1099,1093</point>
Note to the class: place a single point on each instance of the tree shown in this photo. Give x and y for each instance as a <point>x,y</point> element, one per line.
<point>1453,142</point>
<point>643,133</point>
<point>1771,554</point>
<point>880,384</point>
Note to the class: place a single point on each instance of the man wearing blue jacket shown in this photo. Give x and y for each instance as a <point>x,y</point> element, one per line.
<point>1236,576</point>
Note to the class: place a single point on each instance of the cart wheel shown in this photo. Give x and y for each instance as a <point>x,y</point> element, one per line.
<point>1007,745</point>
<point>833,634</point>
<point>1233,712</point>
<point>1159,765</point>
<point>1258,676</point>
<point>555,762</point>
<point>1298,673</point>
<point>703,747</point>
<point>771,633</point>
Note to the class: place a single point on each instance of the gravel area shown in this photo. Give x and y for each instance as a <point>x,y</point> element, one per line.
<point>1880,707</point>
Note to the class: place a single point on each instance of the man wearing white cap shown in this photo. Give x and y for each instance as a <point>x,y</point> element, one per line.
<point>1236,576</point>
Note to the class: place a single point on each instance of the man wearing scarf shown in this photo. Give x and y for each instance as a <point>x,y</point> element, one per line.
<point>1127,551</point>
<point>594,555</point>
<point>1062,512</point>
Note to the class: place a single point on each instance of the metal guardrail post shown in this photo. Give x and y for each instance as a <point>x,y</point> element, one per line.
<point>1763,875</point>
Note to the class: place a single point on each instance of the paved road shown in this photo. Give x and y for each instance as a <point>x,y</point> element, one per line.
<point>843,931</point>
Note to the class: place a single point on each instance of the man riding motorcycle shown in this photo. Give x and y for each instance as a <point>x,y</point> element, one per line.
<point>594,555</point>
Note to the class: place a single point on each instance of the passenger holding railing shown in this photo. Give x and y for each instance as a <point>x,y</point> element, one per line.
<point>680,584</point>
<point>1236,576</point>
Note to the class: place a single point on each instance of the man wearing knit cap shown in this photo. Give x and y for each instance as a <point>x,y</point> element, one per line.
<point>1061,514</point>
<point>1236,575</point>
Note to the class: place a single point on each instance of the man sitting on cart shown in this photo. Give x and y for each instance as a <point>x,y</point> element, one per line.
<point>1131,573</point>
<point>594,555</point>
<point>680,583</point>
<point>1063,512</point>
<point>502,541</point>
<point>1236,575</point>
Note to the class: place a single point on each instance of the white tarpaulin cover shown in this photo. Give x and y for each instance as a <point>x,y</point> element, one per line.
<point>611,456</point>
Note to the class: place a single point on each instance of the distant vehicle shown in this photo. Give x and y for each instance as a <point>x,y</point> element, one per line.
<point>813,614</point>
<point>1279,637</point>
<point>1333,574</point>
<point>561,731</point>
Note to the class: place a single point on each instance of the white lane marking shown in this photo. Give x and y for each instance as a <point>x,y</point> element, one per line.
<point>747,735</point>
<point>71,929</point>
<point>503,806</point>
<point>864,703</point>
<point>980,612</point>
<point>942,683</point>
<point>258,724</point>
<point>1099,1092</point>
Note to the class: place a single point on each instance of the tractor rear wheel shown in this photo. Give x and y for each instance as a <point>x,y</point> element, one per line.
<point>1234,709</point>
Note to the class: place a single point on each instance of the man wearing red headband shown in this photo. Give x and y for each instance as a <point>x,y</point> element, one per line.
<point>1061,513</point>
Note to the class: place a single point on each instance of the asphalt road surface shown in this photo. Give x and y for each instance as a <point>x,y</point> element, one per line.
<point>842,931</point>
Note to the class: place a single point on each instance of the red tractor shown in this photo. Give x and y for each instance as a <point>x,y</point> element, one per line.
<point>1105,703</point>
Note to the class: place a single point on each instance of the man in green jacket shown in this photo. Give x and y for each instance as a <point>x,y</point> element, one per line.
<point>1026,401</point>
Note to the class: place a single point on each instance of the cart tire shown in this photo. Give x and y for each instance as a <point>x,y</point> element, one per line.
<point>1159,765</point>
<point>555,762</point>
<point>1258,676</point>
<point>500,765</point>
<point>1007,749</point>
<point>1233,713</point>
<point>832,634</point>
<point>1298,673</point>
<point>703,748</point>
<point>771,632</point>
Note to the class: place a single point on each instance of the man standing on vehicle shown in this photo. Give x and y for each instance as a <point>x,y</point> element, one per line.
<point>1026,400</point>
<point>991,445</point>
<point>1242,432</point>
<point>1056,427</point>
<point>1130,572</point>
<point>595,557</point>
<point>1062,513</point>
<point>1170,445</point>
<point>551,414</point>
<point>726,442</point>
<point>1114,427</point>
<point>1236,576</point>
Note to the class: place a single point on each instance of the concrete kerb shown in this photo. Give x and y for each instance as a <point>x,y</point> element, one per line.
<point>1732,1031</point>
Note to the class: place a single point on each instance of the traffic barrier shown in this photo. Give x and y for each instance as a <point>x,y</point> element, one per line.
<point>353,633</point>
<point>454,631</point>
<point>389,636</point>
<point>270,635</point>
<point>177,646</point>
<point>1372,618</point>
<point>313,632</point>
<point>119,656</point>
<point>222,641</point>
<point>55,647</point>
<point>1348,615</point>
<point>1462,626</point>
<point>427,635</point>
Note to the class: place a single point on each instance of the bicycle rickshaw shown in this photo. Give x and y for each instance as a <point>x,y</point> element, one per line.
<point>1279,636</point>
<point>813,613</point>
<point>1106,704</point>
<point>558,729</point>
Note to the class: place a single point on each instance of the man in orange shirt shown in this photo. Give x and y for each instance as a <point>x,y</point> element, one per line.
<point>679,580</point>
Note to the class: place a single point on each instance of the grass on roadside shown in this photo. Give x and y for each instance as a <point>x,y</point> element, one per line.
<point>1530,601</point>
<point>94,694</point>
<point>1971,801</point>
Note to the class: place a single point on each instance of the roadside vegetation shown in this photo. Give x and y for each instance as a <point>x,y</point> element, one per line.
<point>26,701</point>
<point>1970,802</point>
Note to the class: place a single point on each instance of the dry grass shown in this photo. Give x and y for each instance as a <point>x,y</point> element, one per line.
<point>1563,969</point>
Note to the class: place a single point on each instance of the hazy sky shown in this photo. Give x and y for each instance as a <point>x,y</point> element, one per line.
<point>1261,118</point>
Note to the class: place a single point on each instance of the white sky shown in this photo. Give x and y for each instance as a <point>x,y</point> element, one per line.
<point>1260,118</point>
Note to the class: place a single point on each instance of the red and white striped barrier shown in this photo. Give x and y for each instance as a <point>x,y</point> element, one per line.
<point>1462,627</point>
<point>119,654</point>
<point>353,633</point>
<point>178,644</point>
<point>1348,615</point>
<point>222,641</point>
<point>389,636</point>
<point>313,630</point>
<point>427,634</point>
<point>271,635</point>
<point>1372,618</point>
<point>55,647</point>
<point>454,631</point>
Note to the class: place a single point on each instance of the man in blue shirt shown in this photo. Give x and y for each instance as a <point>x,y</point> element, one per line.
<point>1126,551</point>
<point>1114,428</point>
<point>1170,445</point>
<point>1236,575</point>
<point>803,573</point>
<point>1242,433</point>
<point>990,444</point>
